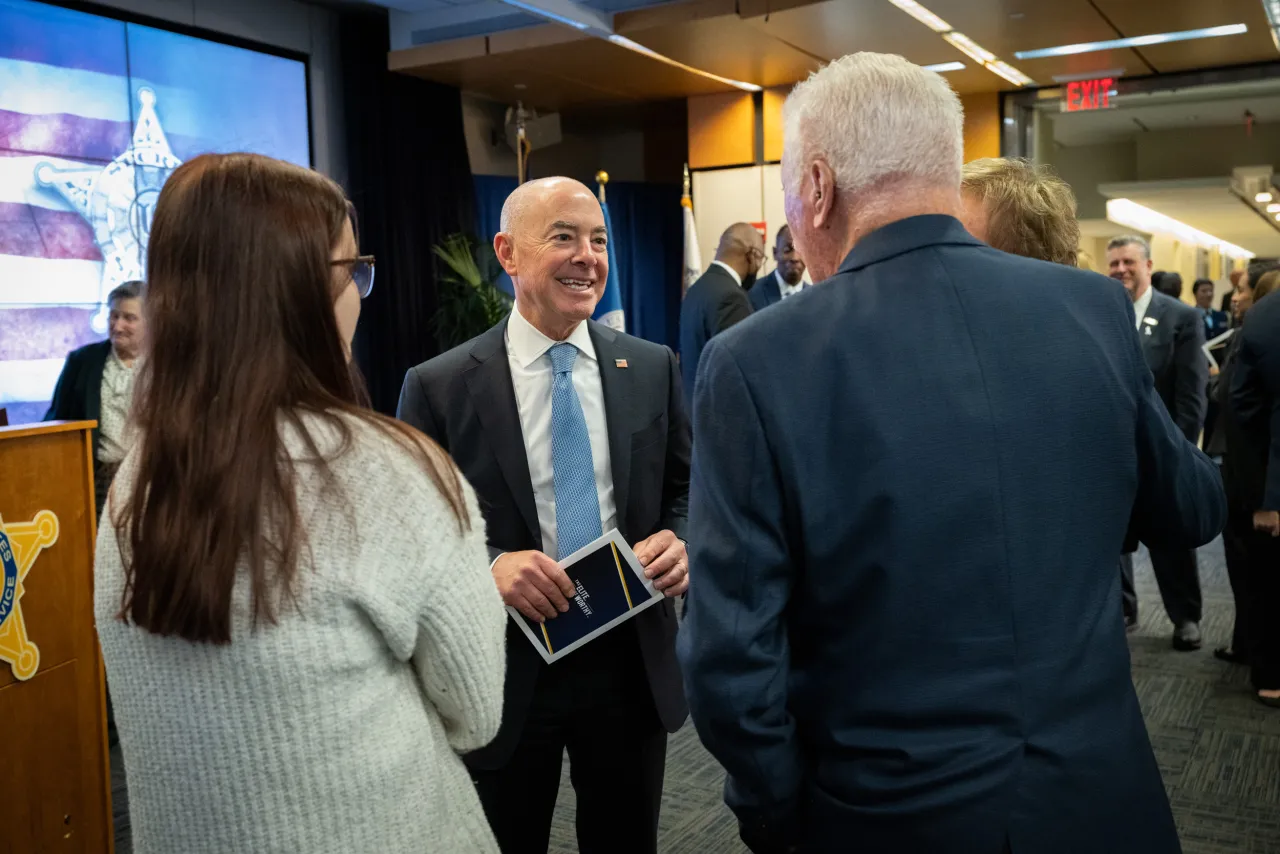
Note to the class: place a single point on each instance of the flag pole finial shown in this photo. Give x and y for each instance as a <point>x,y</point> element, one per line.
<point>688,185</point>
<point>602,178</point>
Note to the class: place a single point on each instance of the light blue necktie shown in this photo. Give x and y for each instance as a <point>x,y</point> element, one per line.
<point>577,504</point>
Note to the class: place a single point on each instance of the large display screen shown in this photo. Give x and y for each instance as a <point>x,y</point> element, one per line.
<point>95,114</point>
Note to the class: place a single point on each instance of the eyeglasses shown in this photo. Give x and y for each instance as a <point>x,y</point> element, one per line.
<point>361,270</point>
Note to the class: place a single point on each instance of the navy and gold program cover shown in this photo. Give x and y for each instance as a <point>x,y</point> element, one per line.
<point>611,589</point>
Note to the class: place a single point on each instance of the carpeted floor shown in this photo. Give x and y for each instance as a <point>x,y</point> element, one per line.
<point>1219,749</point>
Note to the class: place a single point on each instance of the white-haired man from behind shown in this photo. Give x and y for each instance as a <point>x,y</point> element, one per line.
<point>903,631</point>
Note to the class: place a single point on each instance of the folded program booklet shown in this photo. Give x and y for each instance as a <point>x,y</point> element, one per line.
<point>611,589</point>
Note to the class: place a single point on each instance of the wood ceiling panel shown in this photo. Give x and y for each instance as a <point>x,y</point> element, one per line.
<point>732,48</point>
<point>1253,46</point>
<point>836,27</point>
<point>1005,26</point>
<point>778,42</point>
<point>583,72</point>
<point>1143,17</point>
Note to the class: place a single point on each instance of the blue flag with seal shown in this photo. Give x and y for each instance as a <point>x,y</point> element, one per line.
<point>609,309</point>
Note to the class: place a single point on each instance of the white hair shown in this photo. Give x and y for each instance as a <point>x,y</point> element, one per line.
<point>874,116</point>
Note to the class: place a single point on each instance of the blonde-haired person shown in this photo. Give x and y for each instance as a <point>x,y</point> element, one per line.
<point>291,590</point>
<point>1020,208</point>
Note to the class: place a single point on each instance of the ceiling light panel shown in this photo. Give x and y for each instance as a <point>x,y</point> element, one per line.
<point>1133,215</point>
<point>962,43</point>
<point>923,15</point>
<point>1136,41</point>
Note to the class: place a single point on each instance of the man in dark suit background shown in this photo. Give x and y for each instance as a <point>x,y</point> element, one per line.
<point>903,632</point>
<point>786,280</point>
<point>717,300</point>
<point>1215,322</point>
<point>96,384</point>
<point>1255,405</point>
<point>566,429</point>
<point>1172,336</point>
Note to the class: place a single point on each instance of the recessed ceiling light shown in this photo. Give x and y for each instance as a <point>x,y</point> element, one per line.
<point>968,46</point>
<point>1008,72</point>
<point>945,66</point>
<point>521,86</point>
<point>1273,208</point>
<point>1136,41</point>
<point>1262,198</point>
<point>923,15</point>
<point>963,43</point>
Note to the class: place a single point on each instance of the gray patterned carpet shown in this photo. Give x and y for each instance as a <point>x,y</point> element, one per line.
<point>1219,749</point>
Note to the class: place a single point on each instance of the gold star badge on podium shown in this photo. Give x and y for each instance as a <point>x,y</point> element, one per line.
<point>20,545</point>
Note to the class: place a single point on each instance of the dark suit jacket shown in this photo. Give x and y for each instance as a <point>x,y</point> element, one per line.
<point>1216,323</point>
<point>903,631</point>
<point>1172,348</point>
<point>464,400</point>
<point>1255,400</point>
<point>766,292</point>
<point>711,305</point>
<point>78,394</point>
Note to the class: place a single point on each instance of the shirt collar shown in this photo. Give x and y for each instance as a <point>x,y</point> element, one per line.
<point>527,343</point>
<point>732,272</point>
<point>1143,303</point>
<point>784,288</point>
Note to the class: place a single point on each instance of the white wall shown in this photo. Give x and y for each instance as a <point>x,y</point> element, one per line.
<point>722,197</point>
<point>284,24</point>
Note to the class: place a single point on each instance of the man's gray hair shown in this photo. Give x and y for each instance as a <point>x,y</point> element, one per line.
<point>1131,240</point>
<point>874,116</point>
<point>126,290</point>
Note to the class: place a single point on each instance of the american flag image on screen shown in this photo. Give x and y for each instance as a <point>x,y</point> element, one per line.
<point>95,114</point>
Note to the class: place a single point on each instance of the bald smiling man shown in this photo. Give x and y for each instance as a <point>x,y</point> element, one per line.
<point>567,429</point>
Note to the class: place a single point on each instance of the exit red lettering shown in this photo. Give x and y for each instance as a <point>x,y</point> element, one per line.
<point>1088,95</point>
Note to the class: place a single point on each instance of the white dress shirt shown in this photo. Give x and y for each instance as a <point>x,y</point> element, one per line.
<point>1141,305</point>
<point>531,378</point>
<point>785,290</point>
<point>113,417</point>
<point>732,272</point>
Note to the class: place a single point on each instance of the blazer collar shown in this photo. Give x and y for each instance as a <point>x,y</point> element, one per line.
<point>905,235</point>
<point>619,386</point>
<point>494,397</point>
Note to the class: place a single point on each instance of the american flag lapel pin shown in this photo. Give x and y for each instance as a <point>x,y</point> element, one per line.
<point>619,363</point>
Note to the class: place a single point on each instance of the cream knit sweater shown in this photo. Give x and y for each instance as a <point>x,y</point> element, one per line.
<point>338,729</point>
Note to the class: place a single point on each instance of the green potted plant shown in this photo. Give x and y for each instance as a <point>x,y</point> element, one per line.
<point>470,302</point>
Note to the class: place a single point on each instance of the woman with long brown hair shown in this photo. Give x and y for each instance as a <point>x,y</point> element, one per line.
<point>292,592</point>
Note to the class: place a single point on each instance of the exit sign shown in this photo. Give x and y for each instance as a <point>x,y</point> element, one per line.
<point>1088,95</point>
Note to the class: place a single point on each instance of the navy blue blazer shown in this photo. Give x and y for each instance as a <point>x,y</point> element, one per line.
<point>765,293</point>
<point>711,305</point>
<point>78,394</point>
<point>1255,400</point>
<point>909,488</point>
<point>1215,323</point>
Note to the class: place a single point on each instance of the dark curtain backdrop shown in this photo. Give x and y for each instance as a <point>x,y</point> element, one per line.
<point>647,244</point>
<point>410,181</point>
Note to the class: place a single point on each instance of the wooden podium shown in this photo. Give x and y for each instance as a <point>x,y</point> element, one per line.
<point>55,781</point>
